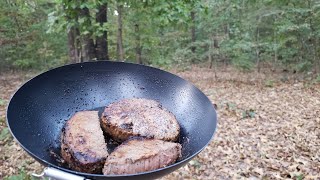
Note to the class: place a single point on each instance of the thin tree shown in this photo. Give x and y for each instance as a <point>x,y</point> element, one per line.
<point>102,52</point>
<point>120,52</point>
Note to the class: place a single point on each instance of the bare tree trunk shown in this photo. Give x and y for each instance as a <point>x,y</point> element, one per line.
<point>315,43</point>
<point>226,30</point>
<point>216,67</point>
<point>258,45</point>
<point>78,45</point>
<point>88,48</point>
<point>315,54</point>
<point>315,57</point>
<point>193,31</point>
<point>275,52</point>
<point>210,55</point>
<point>102,42</point>
<point>73,45</point>
<point>161,34</point>
<point>138,44</point>
<point>213,45</point>
<point>228,34</point>
<point>120,52</point>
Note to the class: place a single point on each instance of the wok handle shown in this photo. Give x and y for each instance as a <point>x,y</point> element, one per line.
<point>56,174</point>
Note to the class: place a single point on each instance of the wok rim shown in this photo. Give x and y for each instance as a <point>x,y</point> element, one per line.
<point>47,164</point>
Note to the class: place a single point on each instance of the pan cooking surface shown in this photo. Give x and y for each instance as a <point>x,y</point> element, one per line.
<point>39,109</point>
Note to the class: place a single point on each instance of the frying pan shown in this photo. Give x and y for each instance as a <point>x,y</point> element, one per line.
<point>39,109</point>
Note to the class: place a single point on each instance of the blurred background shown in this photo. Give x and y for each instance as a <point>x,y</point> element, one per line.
<point>247,34</point>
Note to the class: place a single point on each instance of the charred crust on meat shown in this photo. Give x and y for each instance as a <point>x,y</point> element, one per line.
<point>77,143</point>
<point>127,126</point>
<point>123,115</point>
<point>138,138</point>
<point>88,168</point>
<point>105,115</point>
<point>81,140</point>
<point>74,161</point>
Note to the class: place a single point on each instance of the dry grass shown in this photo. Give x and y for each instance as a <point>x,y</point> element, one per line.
<point>268,128</point>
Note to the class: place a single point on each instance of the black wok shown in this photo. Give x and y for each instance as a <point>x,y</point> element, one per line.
<point>39,109</point>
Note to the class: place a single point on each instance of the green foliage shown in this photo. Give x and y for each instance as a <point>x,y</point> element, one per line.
<point>24,63</point>
<point>23,38</point>
<point>195,163</point>
<point>21,176</point>
<point>248,113</point>
<point>4,134</point>
<point>231,106</point>
<point>2,102</point>
<point>318,78</point>
<point>243,33</point>
<point>304,66</point>
<point>299,176</point>
<point>269,83</point>
<point>183,56</point>
<point>243,62</point>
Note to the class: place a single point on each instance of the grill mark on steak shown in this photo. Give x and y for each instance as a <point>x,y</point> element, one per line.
<point>139,117</point>
<point>83,145</point>
<point>140,155</point>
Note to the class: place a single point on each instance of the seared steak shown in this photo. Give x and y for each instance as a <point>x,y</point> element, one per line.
<point>82,143</point>
<point>141,155</point>
<point>139,117</point>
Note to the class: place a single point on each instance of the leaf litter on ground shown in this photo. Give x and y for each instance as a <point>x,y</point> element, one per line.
<point>268,128</point>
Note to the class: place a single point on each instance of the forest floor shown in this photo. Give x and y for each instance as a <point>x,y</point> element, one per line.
<point>268,127</point>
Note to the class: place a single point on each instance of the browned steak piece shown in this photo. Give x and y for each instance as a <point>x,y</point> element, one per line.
<point>141,155</point>
<point>82,143</point>
<point>139,117</point>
